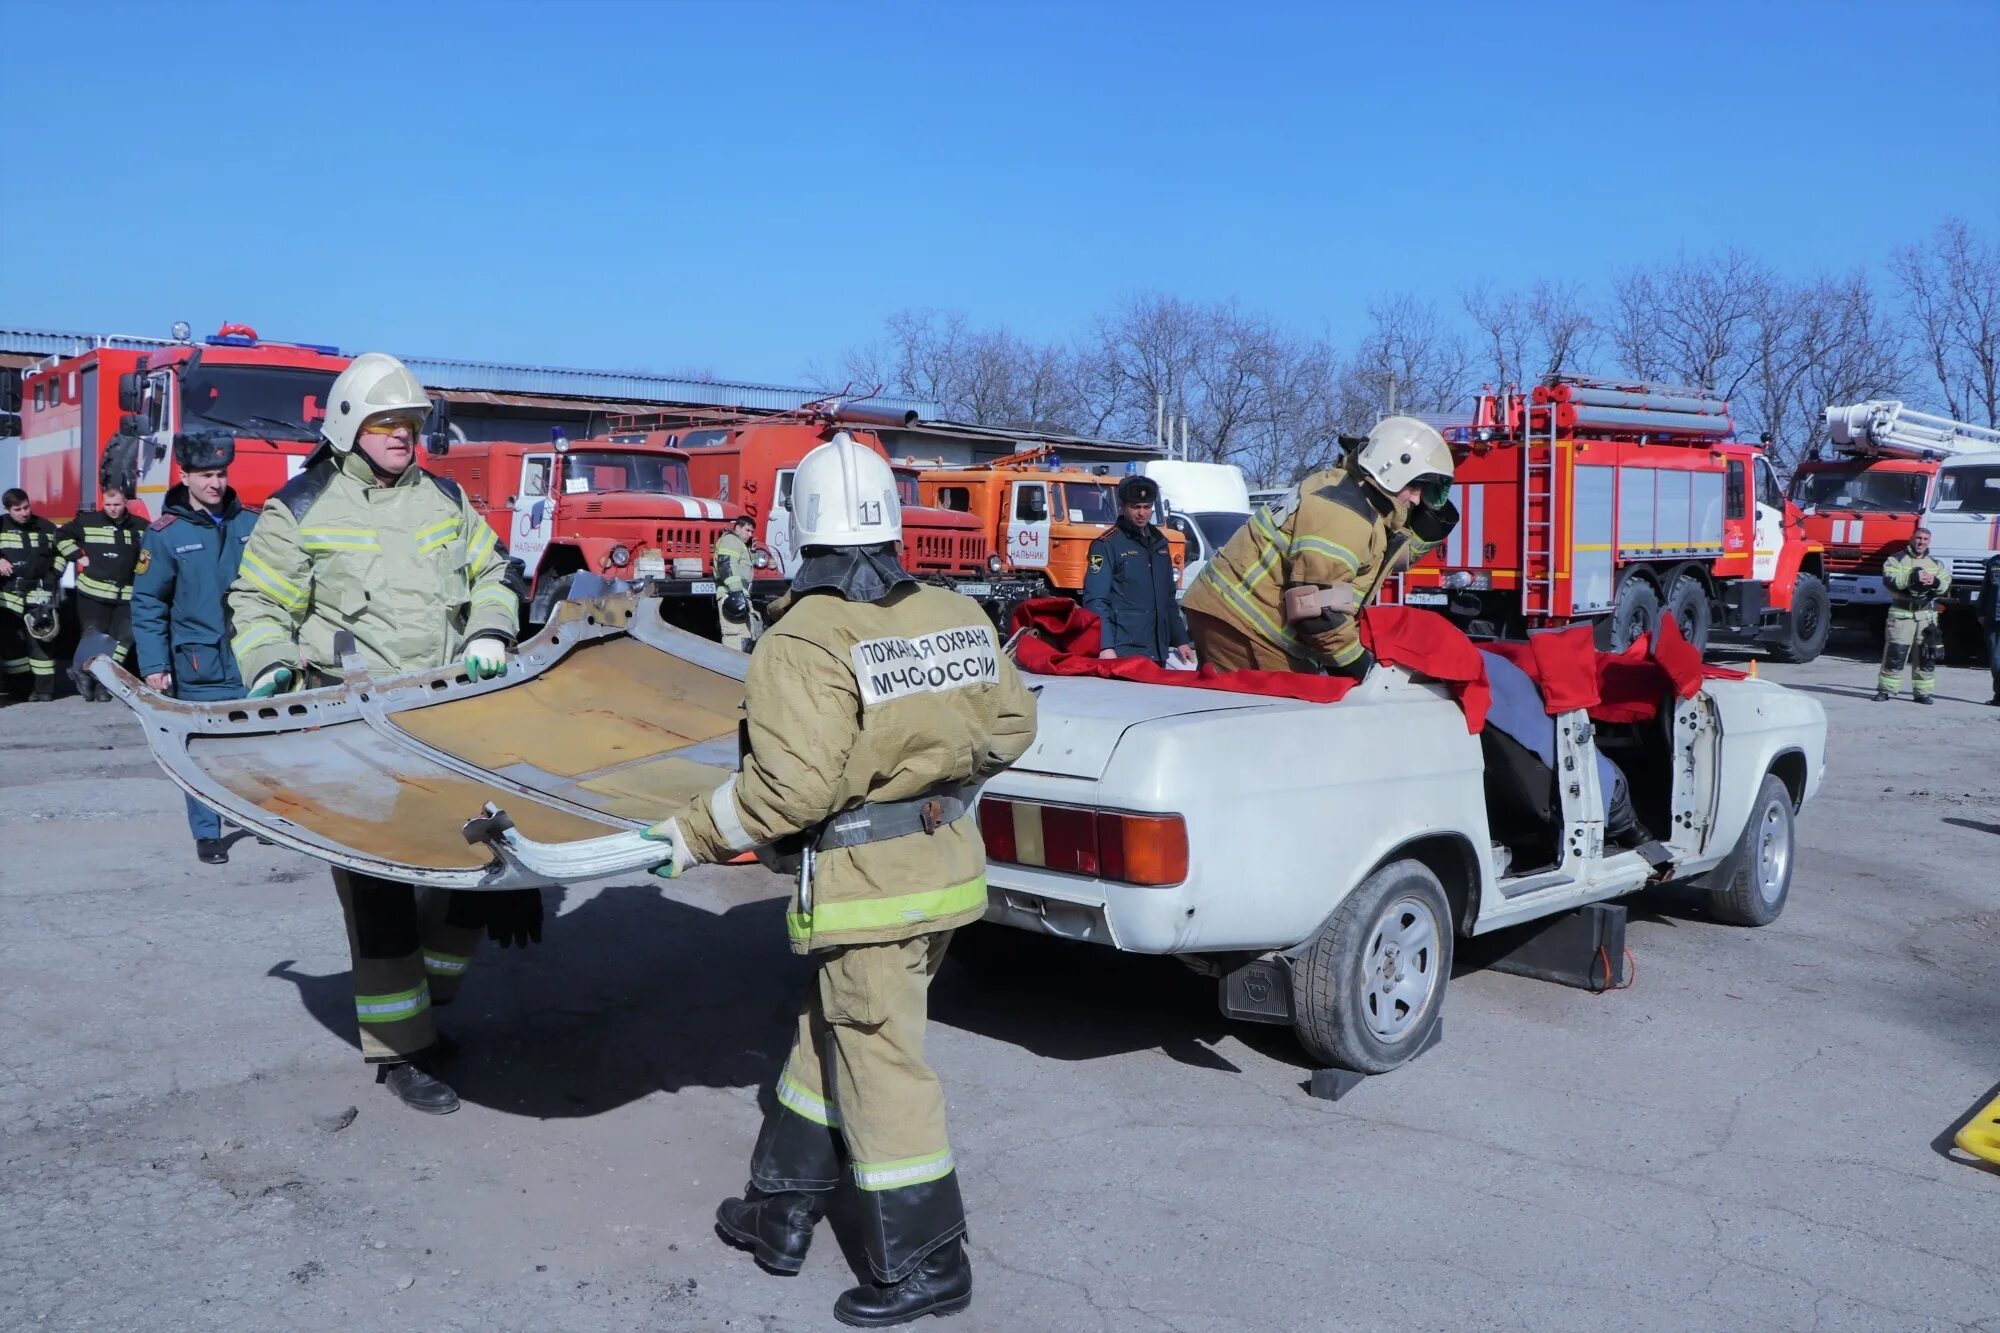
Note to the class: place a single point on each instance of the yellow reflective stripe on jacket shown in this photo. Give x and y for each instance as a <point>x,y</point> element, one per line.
<point>482,542</point>
<point>499,594</point>
<point>256,636</point>
<point>1331,550</point>
<point>281,589</point>
<point>440,964</point>
<point>907,1171</point>
<point>339,539</point>
<point>798,1097</point>
<point>98,588</point>
<point>1238,597</point>
<point>438,535</point>
<point>882,913</point>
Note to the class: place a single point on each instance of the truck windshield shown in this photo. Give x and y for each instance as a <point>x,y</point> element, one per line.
<point>1860,487</point>
<point>906,488</point>
<point>595,471</point>
<point>270,402</point>
<point>1969,490</point>
<point>1086,502</point>
<point>1219,528</point>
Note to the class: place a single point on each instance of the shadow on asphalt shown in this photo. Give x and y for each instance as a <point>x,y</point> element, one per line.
<point>1972,824</point>
<point>628,994</point>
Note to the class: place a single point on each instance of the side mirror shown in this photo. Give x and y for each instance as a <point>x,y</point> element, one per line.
<point>538,513</point>
<point>437,431</point>
<point>131,392</point>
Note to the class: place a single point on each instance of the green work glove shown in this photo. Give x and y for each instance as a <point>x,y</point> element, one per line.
<point>1436,492</point>
<point>485,658</point>
<point>275,680</point>
<point>672,847</point>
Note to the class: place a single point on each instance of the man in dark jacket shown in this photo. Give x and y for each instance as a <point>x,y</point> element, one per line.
<point>180,607</point>
<point>103,543</point>
<point>1130,582</point>
<point>1989,615</point>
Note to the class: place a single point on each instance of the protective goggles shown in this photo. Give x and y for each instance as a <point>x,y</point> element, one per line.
<point>390,425</point>
<point>1436,491</point>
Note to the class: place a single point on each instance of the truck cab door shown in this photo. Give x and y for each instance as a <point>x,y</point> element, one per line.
<point>161,410</point>
<point>1027,529</point>
<point>1770,511</point>
<point>778,527</point>
<point>534,517</point>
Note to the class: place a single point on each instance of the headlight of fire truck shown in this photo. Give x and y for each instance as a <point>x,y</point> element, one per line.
<point>994,563</point>
<point>621,556</point>
<point>761,558</point>
<point>651,564</point>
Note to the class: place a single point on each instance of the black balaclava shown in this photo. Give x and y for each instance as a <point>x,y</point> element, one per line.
<point>858,573</point>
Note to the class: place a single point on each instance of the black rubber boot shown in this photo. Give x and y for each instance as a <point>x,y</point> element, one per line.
<point>416,1089</point>
<point>1881,696</point>
<point>44,692</point>
<point>941,1285</point>
<point>1923,698</point>
<point>777,1228</point>
<point>212,851</point>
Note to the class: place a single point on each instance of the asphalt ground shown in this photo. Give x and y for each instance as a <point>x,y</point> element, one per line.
<point>1755,1135</point>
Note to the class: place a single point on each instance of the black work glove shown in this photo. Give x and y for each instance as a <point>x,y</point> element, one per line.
<point>514,917</point>
<point>1433,523</point>
<point>1356,669</point>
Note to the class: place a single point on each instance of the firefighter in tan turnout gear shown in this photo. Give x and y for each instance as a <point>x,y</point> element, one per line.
<point>365,541</point>
<point>1911,638</point>
<point>1283,594</point>
<point>876,706</point>
<point>734,568</point>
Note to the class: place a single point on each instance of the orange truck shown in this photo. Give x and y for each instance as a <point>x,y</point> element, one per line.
<point>1040,515</point>
<point>749,461</point>
<point>268,396</point>
<point>1617,503</point>
<point>615,509</point>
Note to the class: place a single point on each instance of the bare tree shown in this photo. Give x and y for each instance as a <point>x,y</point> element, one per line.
<point>1546,330</point>
<point>1853,352</point>
<point>1410,360</point>
<point>1692,322</point>
<point>1951,286</point>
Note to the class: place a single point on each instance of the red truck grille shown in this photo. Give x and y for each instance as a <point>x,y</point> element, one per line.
<point>695,540</point>
<point>1851,561</point>
<point>944,553</point>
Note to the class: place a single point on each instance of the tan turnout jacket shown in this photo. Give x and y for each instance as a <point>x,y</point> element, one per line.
<point>855,702</point>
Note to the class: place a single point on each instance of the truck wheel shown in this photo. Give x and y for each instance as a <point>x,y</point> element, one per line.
<point>1634,611</point>
<point>1803,636</point>
<point>1752,885</point>
<point>1370,988</point>
<point>1687,602</point>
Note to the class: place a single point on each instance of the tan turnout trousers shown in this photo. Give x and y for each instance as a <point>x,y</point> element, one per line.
<point>865,1014</point>
<point>408,955</point>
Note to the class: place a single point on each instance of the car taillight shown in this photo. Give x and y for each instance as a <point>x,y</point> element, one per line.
<point>1104,844</point>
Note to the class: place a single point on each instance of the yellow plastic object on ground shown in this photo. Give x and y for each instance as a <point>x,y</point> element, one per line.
<point>1981,1135</point>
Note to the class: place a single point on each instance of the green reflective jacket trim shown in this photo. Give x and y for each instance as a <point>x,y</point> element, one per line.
<point>254,636</point>
<point>281,589</point>
<point>393,1008</point>
<point>883,913</point>
<point>908,1171</point>
<point>796,1096</point>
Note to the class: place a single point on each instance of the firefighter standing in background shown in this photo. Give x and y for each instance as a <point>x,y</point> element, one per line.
<point>180,585</point>
<point>1130,582</point>
<point>364,540</point>
<point>30,575</point>
<point>1283,594</point>
<point>876,706</point>
<point>733,571</point>
<point>1916,581</point>
<point>103,543</point>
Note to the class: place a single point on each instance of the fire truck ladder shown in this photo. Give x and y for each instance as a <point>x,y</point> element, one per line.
<point>1538,522</point>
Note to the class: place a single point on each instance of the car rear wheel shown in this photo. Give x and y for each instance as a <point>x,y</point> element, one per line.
<point>1752,885</point>
<point>1370,987</point>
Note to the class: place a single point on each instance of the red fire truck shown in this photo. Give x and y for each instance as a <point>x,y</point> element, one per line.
<point>1617,502</point>
<point>750,461</point>
<point>270,396</point>
<point>1865,501</point>
<point>618,510</point>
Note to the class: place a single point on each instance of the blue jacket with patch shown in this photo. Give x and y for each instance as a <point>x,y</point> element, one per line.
<point>180,595</point>
<point>1130,584</point>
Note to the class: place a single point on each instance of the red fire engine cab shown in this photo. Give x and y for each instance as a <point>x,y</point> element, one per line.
<point>270,396</point>
<point>1864,502</point>
<point>617,510</point>
<point>1617,502</point>
<point>749,461</point>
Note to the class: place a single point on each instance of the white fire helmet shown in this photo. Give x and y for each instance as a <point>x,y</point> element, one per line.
<point>1402,451</point>
<point>373,384</point>
<point>844,494</point>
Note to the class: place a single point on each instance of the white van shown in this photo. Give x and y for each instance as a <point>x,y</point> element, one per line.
<point>1964,519</point>
<point>1205,502</point>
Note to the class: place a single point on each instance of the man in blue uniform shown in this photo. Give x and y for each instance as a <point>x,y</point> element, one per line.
<point>180,608</point>
<point>1130,582</point>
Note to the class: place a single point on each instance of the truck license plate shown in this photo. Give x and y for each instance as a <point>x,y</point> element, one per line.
<point>976,589</point>
<point>1424,598</point>
<point>706,586</point>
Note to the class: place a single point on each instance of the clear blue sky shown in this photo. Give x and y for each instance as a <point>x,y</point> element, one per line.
<point>750,187</point>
